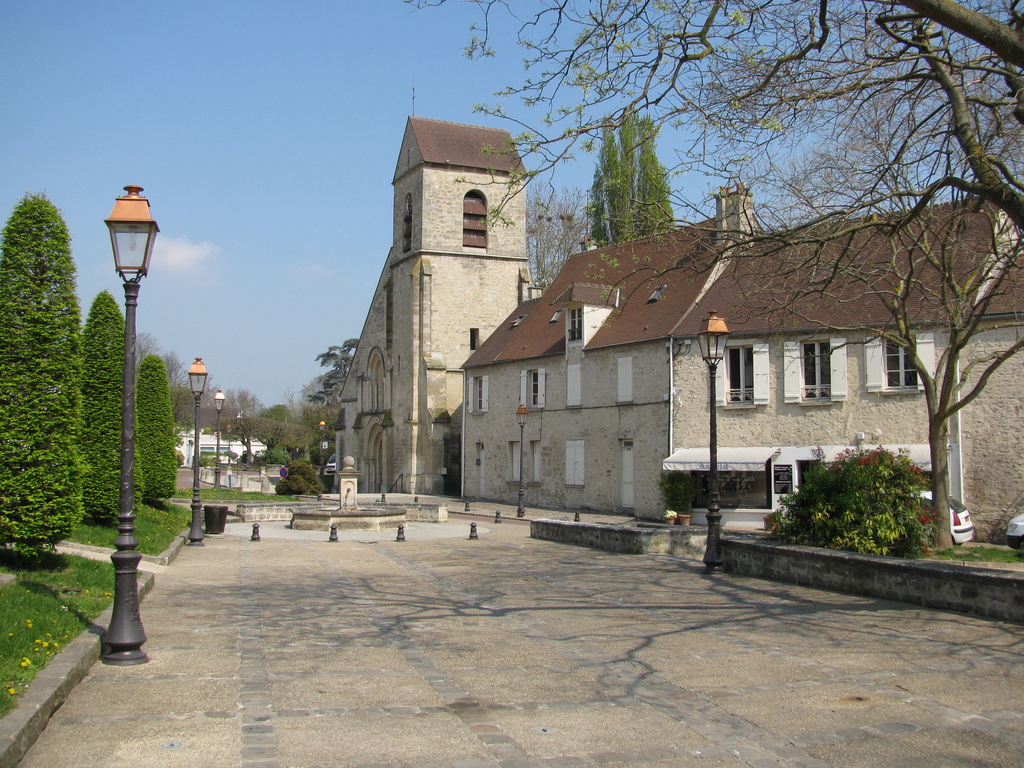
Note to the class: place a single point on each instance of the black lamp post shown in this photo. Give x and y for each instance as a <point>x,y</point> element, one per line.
<point>712,348</point>
<point>521,416</point>
<point>197,381</point>
<point>323,448</point>
<point>132,235</point>
<point>218,403</point>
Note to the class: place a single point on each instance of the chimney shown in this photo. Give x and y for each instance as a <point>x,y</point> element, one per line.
<point>587,244</point>
<point>734,213</point>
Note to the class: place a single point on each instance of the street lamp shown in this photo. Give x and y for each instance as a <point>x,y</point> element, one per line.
<point>323,447</point>
<point>132,235</point>
<point>521,416</point>
<point>218,403</point>
<point>712,348</point>
<point>197,381</point>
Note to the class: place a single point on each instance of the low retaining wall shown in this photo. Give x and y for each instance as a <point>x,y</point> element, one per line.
<point>266,511</point>
<point>994,594</point>
<point>668,540</point>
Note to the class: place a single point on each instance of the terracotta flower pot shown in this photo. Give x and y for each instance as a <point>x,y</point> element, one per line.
<point>683,519</point>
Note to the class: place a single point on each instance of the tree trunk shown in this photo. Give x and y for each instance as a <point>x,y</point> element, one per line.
<point>938,439</point>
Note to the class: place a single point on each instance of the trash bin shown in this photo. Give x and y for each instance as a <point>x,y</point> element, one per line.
<point>216,518</point>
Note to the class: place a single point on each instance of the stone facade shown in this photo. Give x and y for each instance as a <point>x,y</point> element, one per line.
<point>402,400</point>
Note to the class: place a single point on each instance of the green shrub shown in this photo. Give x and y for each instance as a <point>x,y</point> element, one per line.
<point>102,384</point>
<point>40,381</point>
<point>301,479</point>
<point>678,490</point>
<point>155,440</point>
<point>273,456</point>
<point>861,502</point>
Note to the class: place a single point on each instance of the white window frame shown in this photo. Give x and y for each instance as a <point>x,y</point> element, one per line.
<point>515,454</point>
<point>877,378</point>
<point>479,394</point>
<point>532,386</point>
<point>574,324</point>
<point>794,371</point>
<point>574,463</point>
<point>760,394</point>
<point>535,461</point>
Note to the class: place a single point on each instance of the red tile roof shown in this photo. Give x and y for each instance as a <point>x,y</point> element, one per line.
<point>467,146</point>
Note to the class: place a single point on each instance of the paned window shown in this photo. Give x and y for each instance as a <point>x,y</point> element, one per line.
<point>479,394</point>
<point>740,364</point>
<point>817,370</point>
<point>576,324</point>
<point>900,372</point>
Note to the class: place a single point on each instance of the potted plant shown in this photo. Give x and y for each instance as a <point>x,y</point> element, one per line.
<point>677,489</point>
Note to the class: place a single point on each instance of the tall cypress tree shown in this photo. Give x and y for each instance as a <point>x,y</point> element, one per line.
<point>155,443</point>
<point>630,195</point>
<point>40,368</point>
<point>103,363</point>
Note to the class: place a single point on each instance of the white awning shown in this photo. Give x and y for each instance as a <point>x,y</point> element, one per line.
<point>738,459</point>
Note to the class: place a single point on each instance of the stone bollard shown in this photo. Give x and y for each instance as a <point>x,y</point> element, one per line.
<point>255,532</point>
<point>415,499</point>
<point>401,533</point>
<point>497,515</point>
<point>467,507</point>
<point>334,533</point>
<point>383,498</point>
<point>472,531</point>
<point>576,517</point>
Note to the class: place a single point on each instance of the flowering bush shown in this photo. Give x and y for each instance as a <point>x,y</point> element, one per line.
<point>862,502</point>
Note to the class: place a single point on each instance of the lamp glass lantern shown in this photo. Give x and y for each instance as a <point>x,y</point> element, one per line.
<point>713,338</point>
<point>218,400</point>
<point>522,414</point>
<point>132,233</point>
<point>197,377</point>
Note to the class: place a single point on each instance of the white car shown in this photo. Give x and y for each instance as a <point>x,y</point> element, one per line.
<point>960,523</point>
<point>1014,532</point>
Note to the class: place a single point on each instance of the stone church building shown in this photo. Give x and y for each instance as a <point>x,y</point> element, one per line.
<point>452,275</point>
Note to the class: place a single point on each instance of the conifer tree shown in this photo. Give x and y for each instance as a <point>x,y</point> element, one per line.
<point>630,196</point>
<point>40,368</point>
<point>155,443</point>
<point>100,442</point>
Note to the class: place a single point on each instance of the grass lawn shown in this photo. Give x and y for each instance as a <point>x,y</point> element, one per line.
<point>226,494</point>
<point>980,555</point>
<point>155,528</point>
<point>47,608</point>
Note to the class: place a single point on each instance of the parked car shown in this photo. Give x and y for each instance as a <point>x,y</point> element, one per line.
<point>1014,531</point>
<point>332,465</point>
<point>960,523</point>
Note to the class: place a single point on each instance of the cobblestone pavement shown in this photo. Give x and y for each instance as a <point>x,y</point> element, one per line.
<point>302,653</point>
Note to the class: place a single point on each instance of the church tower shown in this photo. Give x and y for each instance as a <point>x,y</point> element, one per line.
<point>452,275</point>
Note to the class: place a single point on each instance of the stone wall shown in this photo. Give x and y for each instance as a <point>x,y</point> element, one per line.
<point>991,593</point>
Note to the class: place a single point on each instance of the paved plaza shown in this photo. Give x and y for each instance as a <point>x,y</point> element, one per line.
<point>445,651</point>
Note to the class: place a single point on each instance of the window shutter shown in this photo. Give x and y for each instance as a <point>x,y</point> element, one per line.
<point>874,366</point>
<point>837,350</point>
<point>572,385</point>
<point>524,387</point>
<point>721,376</point>
<point>625,379</point>
<point>541,376</point>
<point>761,393</point>
<point>483,398</point>
<point>792,376</point>
<point>926,353</point>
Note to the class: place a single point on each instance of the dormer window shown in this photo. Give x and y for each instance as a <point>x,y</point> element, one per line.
<point>576,324</point>
<point>474,220</point>
<point>658,292</point>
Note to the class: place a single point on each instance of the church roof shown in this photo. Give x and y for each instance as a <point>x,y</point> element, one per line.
<point>469,146</point>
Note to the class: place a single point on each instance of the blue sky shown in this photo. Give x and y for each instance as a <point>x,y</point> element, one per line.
<point>265,135</point>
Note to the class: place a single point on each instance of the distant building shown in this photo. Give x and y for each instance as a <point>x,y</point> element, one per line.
<point>451,276</point>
